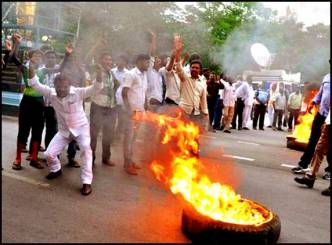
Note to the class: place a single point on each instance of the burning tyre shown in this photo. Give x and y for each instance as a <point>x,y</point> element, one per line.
<point>205,230</point>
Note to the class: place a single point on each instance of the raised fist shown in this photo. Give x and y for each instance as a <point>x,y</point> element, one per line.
<point>17,38</point>
<point>8,45</point>
<point>69,48</point>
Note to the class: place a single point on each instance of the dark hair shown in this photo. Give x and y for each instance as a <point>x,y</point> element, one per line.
<point>196,62</point>
<point>124,58</point>
<point>61,77</point>
<point>33,51</point>
<point>194,56</point>
<point>50,52</point>
<point>102,55</point>
<point>142,57</point>
<point>206,69</point>
<point>164,56</point>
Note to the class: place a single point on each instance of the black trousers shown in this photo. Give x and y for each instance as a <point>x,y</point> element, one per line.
<point>51,124</point>
<point>293,115</point>
<point>211,102</point>
<point>277,115</point>
<point>238,112</point>
<point>30,117</point>
<point>313,140</point>
<point>259,112</point>
<point>218,113</point>
<point>102,118</point>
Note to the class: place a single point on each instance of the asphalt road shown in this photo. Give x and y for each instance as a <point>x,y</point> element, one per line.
<point>126,208</point>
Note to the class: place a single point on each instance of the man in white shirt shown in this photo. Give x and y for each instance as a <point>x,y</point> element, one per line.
<point>241,93</point>
<point>103,112</point>
<point>248,102</point>
<point>119,73</point>
<point>172,96</point>
<point>72,123</point>
<point>135,101</point>
<point>229,103</point>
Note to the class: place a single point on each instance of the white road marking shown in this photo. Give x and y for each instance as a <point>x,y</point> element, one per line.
<point>248,143</point>
<point>288,165</point>
<point>239,157</point>
<point>208,136</point>
<point>25,179</point>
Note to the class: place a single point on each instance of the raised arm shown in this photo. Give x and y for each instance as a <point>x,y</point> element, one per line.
<point>95,87</point>
<point>35,84</point>
<point>153,44</point>
<point>69,51</point>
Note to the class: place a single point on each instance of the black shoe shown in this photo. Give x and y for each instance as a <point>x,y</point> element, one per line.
<point>221,128</point>
<point>239,129</point>
<point>261,129</point>
<point>36,164</point>
<point>86,189</point>
<point>53,175</point>
<point>327,192</point>
<point>269,126</point>
<point>73,164</point>
<point>227,131</point>
<point>280,129</point>
<point>254,128</point>
<point>245,128</point>
<point>305,181</point>
<point>327,176</point>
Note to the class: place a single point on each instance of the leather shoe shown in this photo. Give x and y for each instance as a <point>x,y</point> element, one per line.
<point>109,163</point>
<point>53,175</point>
<point>136,166</point>
<point>327,192</point>
<point>73,164</point>
<point>305,181</point>
<point>36,164</point>
<point>86,189</point>
<point>131,170</point>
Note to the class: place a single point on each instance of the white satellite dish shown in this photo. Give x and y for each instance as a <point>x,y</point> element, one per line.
<point>260,54</point>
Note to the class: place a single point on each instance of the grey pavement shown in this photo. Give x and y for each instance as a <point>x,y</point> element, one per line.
<point>126,208</point>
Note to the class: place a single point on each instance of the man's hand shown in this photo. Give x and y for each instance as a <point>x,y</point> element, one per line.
<point>311,106</point>
<point>17,38</point>
<point>153,35</point>
<point>8,45</point>
<point>99,70</point>
<point>69,48</point>
<point>177,46</point>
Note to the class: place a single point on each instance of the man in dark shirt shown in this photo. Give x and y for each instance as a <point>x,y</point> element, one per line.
<point>213,87</point>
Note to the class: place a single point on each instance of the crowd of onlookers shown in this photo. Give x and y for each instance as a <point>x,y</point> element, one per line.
<point>55,92</point>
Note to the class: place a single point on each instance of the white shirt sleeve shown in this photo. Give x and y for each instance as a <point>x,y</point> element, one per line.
<point>90,90</point>
<point>36,85</point>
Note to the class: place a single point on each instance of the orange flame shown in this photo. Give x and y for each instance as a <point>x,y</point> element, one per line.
<point>183,176</point>
<point>303,129</point>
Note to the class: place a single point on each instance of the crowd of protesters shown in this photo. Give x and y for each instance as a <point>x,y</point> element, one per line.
<point>54,95</point>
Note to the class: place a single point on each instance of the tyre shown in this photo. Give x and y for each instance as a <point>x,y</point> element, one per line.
<point>201,229</point>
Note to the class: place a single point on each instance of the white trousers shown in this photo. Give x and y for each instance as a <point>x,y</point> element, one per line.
<point>246,115</point>
<point>59,142</point>
<point>270,112</point>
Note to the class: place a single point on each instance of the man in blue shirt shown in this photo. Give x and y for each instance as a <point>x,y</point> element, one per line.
<point>260,104</point>
<point>323,100</point>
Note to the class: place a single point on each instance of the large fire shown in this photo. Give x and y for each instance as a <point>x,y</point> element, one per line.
<point>303,128</point>
<point>184,176</point>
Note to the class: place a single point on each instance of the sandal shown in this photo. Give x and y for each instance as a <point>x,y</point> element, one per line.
<point>16,166</point>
